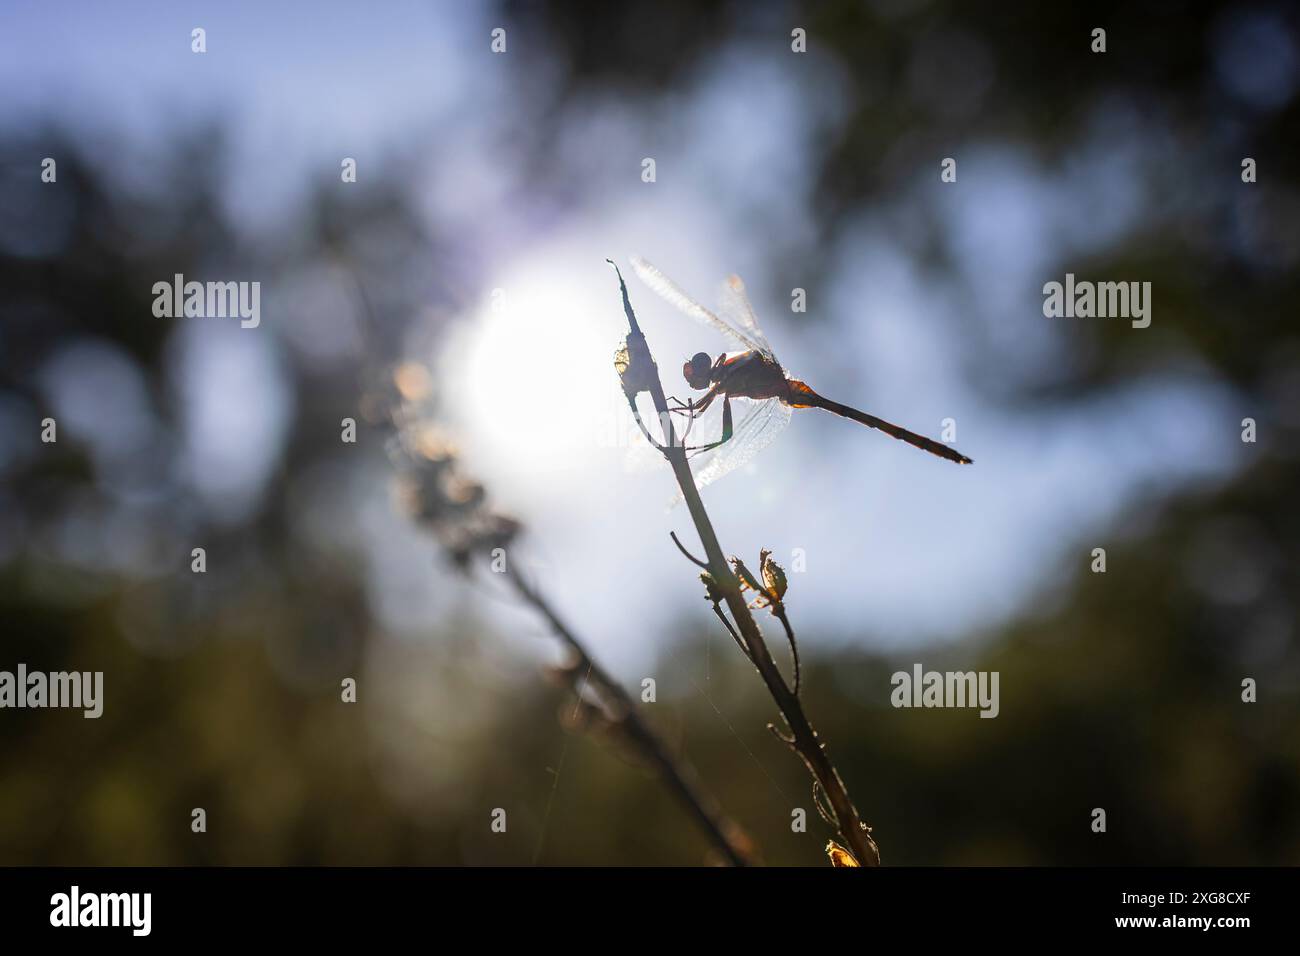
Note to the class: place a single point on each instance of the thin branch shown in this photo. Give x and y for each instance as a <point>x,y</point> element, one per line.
<point>855,834</point>
<point>636,415</point>
<point>778,609</point>
<point>717,609</point>
<point>690,557</point>
<point>676,772</point>
<point>784,738</point>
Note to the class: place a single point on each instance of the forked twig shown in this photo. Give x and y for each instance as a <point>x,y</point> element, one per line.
<point>690,557</point>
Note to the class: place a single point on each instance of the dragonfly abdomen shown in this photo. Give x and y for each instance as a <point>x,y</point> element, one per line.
<point>802,396</point>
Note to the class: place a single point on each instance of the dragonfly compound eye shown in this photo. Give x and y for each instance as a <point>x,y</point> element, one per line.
<point>697,370</point>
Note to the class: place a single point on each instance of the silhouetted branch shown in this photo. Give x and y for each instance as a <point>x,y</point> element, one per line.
<point>690,557</point>
<point>639,373</point>
<point>677,774</point>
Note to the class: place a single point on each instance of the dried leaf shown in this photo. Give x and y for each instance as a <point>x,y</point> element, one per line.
<point>636,370</point>
<point>622,360</point>
<point>840,856</point>
<point>747,580</point>
<point>773,576</point>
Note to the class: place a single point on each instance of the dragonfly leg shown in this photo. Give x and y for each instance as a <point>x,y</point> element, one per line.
<point>694,409</point>
<point>726,426</point>
<point>678,407</point>
<point>690,421</point>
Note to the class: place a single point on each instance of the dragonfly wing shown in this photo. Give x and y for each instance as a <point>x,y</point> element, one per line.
<point>672,293</point>
<point>757,429</point>
<point>735,309</point>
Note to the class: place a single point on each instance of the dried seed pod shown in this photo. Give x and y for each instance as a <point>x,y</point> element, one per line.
<point>840,856</point>
<point>635,368</point>
<point>747,580</point>
<point>773,576</point>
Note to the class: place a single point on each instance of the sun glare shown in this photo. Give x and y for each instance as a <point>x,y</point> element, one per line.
<point>530,375</point>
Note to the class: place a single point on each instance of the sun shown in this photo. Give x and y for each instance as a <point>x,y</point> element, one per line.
<point>528,377</point>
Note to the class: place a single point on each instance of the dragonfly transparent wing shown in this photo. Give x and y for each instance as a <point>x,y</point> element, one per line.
<point>757,428</point>
<point>733,304</point>
<point>672,293</point>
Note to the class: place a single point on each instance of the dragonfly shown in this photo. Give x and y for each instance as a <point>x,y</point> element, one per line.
<point>755,374</point>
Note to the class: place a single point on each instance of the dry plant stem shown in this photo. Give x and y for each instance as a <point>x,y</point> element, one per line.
<point>803,739</point>
<point>732,631</point>
<point>779,611</point>
<point>726,621</point>
<point>806,743</point>
<point>677,774</point>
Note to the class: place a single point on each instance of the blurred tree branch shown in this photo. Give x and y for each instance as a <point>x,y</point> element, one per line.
<point>456,510</point>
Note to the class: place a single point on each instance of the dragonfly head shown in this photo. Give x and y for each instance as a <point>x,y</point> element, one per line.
<point>697,370</point>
